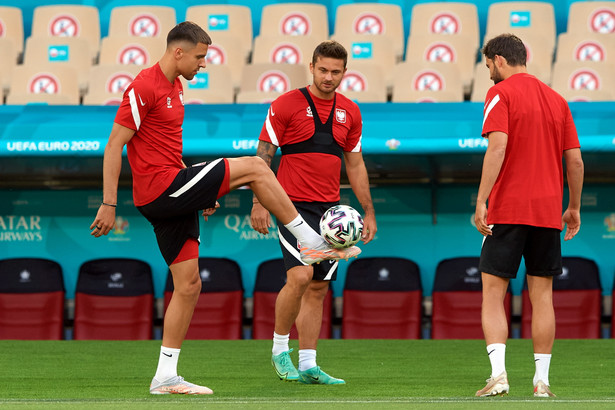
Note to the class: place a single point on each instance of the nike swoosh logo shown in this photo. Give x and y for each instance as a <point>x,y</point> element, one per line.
<point>489,354</point>
<point>298,224</point>
<point>167,355</point>
<point>142,103</point>
<point>315,378</point>
<point>536,360</point>
<point>271,111</point>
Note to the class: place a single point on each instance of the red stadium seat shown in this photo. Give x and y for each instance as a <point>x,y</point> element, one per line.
<point>114,300</point>
<point>457,299</point>
<point>31,299</point>
<point>219,310</point>
<point>577,299</point>
<point>270,278</point>
<point>382,299</point>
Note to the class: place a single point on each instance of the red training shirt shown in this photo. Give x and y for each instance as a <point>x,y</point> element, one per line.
<point>154,108</point>
<point>529,189</point>
<point>311,177</point>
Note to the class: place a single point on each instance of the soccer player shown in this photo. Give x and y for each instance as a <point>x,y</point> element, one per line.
<point>315,127</point>
<point>530,129</point>
<point>169,194</point>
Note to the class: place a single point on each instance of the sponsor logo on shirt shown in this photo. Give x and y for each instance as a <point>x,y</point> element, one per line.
<point>169,102</point>
<point>309,112</point>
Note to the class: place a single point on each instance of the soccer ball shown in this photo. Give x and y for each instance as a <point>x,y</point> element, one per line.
<point>341,226</point>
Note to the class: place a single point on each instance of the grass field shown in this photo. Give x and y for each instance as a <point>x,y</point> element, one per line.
<point>380,374</point>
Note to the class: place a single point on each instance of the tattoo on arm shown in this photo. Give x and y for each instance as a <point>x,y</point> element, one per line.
<point>266,151</point>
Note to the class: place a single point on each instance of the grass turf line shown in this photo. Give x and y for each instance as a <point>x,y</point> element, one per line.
<point>379,373</point>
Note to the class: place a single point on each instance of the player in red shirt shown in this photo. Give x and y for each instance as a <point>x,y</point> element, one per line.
<point>530,129</point>
<point>169,194</point>
<point>315,128</point>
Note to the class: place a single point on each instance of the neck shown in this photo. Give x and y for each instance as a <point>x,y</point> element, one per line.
<point>319,94</point>
<point>515,70</point>
<point>168,67</point>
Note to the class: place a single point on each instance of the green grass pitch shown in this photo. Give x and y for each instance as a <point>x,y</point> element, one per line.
<point>380,374</point>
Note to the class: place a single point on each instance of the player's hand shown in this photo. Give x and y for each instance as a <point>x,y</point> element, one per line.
<point>104,221</point>
<point>260,219</point>
<point>369,228</point>
<point>210,211</point>
<point>572,221</point>
<point>480,219</point>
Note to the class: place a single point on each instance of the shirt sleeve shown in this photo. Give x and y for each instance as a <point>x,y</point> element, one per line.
<point>275,123</point>
<point>495,114</point>
<point>355,134</point>
<point>571,139</point>
<point>137,101</point>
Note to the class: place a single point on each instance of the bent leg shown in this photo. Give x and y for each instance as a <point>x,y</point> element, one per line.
<point>493,314</point>
<point>255,173</point>
<point>187,288</point>
<point>288,302</point>
<point>543,316</point>
<point>309,320</point>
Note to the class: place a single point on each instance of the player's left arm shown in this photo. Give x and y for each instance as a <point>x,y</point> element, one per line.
<point>492,163</point>
<point>359,181</point>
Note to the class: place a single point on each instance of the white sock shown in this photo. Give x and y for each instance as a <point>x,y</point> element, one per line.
<point>280,343</point>
<point>304,233</point>
<point>542,361</point>
<point>497,355</point>
<point>307,359</point>
<point>167,364</point>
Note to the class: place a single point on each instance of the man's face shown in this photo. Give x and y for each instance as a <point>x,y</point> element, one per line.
<point>494,73</point>
<point>192,60</point>
<point>327,74</point>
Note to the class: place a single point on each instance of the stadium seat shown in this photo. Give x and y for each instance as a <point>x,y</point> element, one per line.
<point>114,300</point>
<point>31,299</point>
<point>224,20</point>
<point>11,28</point>
<point>585,47</point>
<point>107,83</point>
<point>60,51</point>
<point>284,50</point>
<point>8,63</point>
<point>270,279</point>
<point>583,75</point>
<point>219,311</point>
<point>44,83</point>
<point>226,51</point>
<point>587,95</point>
<point>371,19</point>
<point>295,19</point>
<point>141,21</point>
<point>457,300</point>
<point>68,21</point>
<point>364,82</point>
<point>522,18</point>
<point>481,83</point>
<point>370,50</point>
<point>426,76</point>
<point>577,300</point>
<point>407,94</point>
<point>446,19</point>
<point>142,51</point>
<point>455,50</point>
<point>382,299</point>
<point>591,16</point>
<point>214,85</point>
<point>274,77</point>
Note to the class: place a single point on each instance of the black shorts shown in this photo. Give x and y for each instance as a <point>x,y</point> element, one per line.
<point>311,213</point>
<point>175,214</point>
<point>502,251</point>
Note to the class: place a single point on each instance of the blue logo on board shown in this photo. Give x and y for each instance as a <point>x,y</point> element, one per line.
<point>520,19</point>
<point>58,53</point>
<point>218,22</point>
<point>199,82</point>
<point>361,50</point>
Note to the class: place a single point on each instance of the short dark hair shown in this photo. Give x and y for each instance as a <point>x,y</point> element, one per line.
<point>331,49</point>
<point>190,32</point>
<point>508,46</point>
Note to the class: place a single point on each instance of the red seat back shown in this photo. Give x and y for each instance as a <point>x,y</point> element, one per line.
<point>219,311</point>
<point>270,278</point>
<point>382,299</point>
<point>114,300</point>
<point>577,301</point>
<point>31,299</point>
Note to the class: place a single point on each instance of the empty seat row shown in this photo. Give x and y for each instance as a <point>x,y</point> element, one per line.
<point>382,298</point>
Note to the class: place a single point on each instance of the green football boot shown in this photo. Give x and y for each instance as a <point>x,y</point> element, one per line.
<point>315,375</point>
<point>283,366</point>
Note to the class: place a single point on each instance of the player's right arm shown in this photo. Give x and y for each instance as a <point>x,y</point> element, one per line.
<point>574,172</point>
<point>260,217</point>
<point>112,165</point>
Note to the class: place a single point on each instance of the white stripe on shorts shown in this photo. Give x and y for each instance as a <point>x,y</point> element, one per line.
<point>485,237</point>
<point>195,179</point>
<point>331,270</point>
<point>290,248</point>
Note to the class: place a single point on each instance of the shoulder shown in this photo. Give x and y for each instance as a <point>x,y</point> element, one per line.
<point>351,107</point>
<point>289,102</point>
